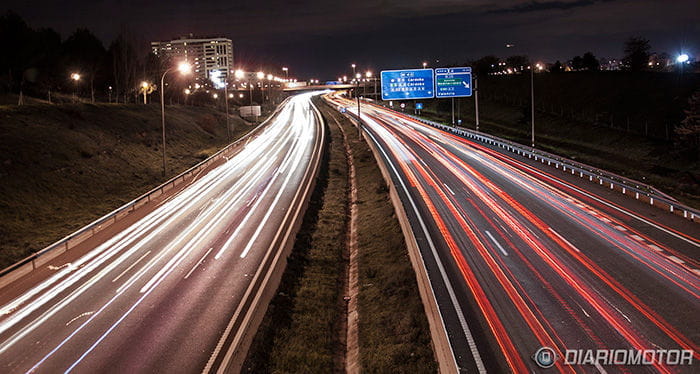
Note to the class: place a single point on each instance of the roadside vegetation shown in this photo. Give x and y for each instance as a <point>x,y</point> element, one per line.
<point>303,329</point>
<point>62,166</point>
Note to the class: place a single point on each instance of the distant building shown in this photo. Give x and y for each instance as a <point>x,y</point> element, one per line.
<point>610,64</point>
<point>205,54</point>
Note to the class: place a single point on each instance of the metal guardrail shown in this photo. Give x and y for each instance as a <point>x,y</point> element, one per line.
<point>625,185</point>
<point>38,258</point>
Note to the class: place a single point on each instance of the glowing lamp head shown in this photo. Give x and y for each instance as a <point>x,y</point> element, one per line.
<point>261,75</point>
<point>184,68</point>
<point>239,74</point>
<point>682,58</point>
<point>368,74</point>
<point>75,76</point>
<point>269,77</point>
<point>144,84</point>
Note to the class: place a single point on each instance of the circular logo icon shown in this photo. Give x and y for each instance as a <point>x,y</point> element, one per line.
<point>545,357</point>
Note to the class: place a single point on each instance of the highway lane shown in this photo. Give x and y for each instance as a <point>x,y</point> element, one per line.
<point>518,261</point>
<point>159,295</point>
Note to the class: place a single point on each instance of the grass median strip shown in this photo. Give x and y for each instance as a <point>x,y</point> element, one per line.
<point>305,326</point>
<point>300,330</point>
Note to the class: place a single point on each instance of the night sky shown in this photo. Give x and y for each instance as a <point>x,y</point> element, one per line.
<point>319,39</point>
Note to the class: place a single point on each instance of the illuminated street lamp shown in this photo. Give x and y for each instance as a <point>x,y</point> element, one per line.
<point>286,72</point>
<point>146,88</point>
<point>425,64</point>
<point>682,58</point>
<point>353,69</point>
<point>76,78</point>
<point>184,68</point>
<point>357,94</point>
<point>260,75</point>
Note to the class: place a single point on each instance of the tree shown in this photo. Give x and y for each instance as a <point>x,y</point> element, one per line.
<point>517,62</point>
<point>590,62</point>
<point>557,67</point>
<point>486,65</point>
<point>83,52</point>
<point>577,63</point>
<point>125,65</point>
<point>688,131</point>
<point>636,54</point>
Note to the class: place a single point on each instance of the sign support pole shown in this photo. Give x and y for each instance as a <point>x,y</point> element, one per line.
<point>453,111</point>
<point>476,102</point>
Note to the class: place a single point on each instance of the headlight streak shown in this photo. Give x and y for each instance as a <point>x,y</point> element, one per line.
<point>563,271</point>
<point>297,139</point>
<point>123,240</point>
<point>631,244</point>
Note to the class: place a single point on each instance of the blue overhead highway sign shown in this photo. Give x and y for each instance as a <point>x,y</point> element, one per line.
<point>453,82</point>
<point>407,84</point>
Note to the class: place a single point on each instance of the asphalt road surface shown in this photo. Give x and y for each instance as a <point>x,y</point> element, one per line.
<point>159,295</point>
<point>520,257</point>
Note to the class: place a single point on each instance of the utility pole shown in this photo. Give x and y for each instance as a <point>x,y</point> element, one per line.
<point>453,111</point>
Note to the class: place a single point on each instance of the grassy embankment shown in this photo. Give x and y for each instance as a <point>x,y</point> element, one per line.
<point>614,121</point>
<point>302,330</point>
<point>62,166</point>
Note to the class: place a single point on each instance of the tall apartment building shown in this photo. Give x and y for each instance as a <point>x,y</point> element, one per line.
<point>205,54</point>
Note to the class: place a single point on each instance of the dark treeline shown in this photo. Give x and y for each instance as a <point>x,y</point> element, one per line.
<point>39,62</point>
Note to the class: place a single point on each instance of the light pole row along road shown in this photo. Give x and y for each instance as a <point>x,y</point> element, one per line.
<point>174,291</point>
<point>519,257</point>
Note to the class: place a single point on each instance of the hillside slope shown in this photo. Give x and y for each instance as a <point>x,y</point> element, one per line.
<point>63,166</point>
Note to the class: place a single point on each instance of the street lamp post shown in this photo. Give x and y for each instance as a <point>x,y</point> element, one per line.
<point>76,78</point>
<point>353,70</point>
<point>144,89</point>
<point>357,94</point>
<point>286,72</point>
<point>228,128</point>
<point>532,99</point>
<point>184,68</point>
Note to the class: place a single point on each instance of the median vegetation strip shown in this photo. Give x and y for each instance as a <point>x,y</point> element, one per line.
<point>301,330</point>
<point>394,335</point>
<point>304,328</point>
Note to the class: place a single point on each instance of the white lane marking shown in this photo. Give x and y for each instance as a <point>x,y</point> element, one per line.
<point>655,247</point>
<point>604,219</point>
<point>620,228</point>
<point>79,315</point>
<point>131,266</point>
<point>198,262</point>
<point>496,242</point>
<point>600,368</point>
<point>623,314</point>
<point>453,297</point>
<point>676,259</point>
<point>584,310</point>
<point>696,271</point>
<point>564,239</point>
<point>637,237</point>
<point>449,189</point>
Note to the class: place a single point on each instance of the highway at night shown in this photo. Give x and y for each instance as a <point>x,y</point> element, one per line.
<point>173,292</point>
<point>519,257</point>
